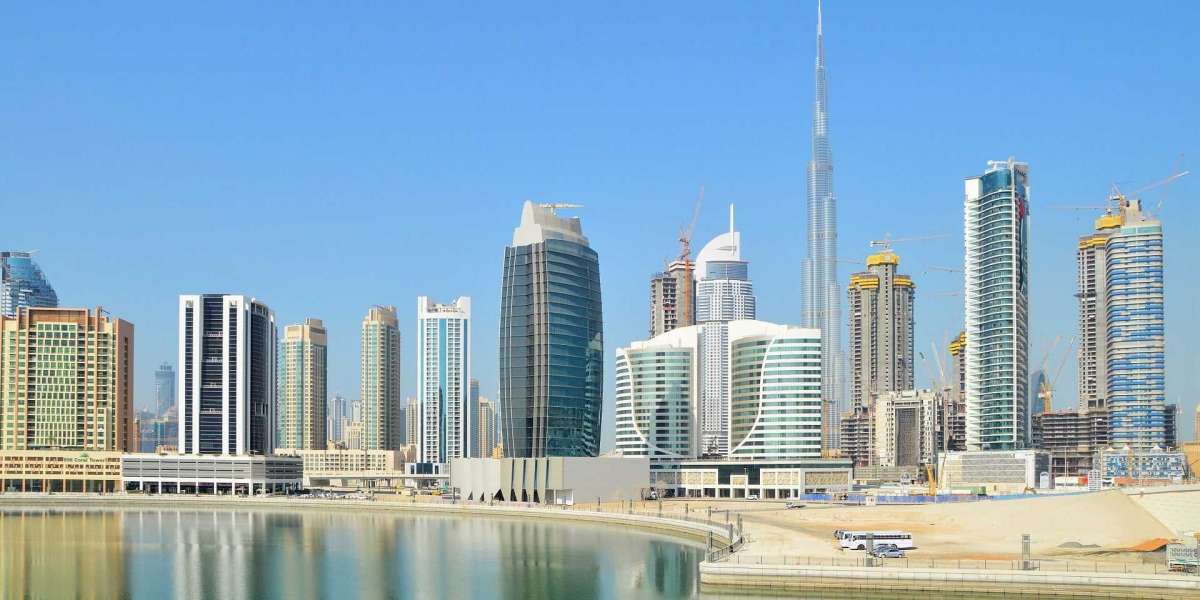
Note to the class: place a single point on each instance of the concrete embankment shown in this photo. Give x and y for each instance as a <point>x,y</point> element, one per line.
<point>946,583</point>
<point>695,531</point>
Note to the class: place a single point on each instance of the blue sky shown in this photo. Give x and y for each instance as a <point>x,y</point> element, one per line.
<point>328,157</point>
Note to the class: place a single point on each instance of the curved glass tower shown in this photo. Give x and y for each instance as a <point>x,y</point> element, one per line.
<point>22,283</point>
<point>997,306</point>
<point>551,339</point>
<point>822,295</point>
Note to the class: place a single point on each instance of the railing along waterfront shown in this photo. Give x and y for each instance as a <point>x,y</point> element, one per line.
<point>1043,565</point>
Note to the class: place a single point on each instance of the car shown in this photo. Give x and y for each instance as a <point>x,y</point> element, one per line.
<point>798,505</point>
<point>887,551</point>
<point>837,533</point>
<point>752,497</point>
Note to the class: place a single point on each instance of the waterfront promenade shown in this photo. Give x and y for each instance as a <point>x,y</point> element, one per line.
<point>764,560</point>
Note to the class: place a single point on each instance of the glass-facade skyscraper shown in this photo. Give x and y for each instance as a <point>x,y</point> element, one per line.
<point>1135,340</point>
<point>996,274</point>
<point>22,283</point>
<point>551,349</point>
<point>227,375</point>
<point>444,380</point>
<point>822,308</point>
<point>723,294</point>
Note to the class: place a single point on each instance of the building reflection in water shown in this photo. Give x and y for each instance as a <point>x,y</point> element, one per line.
<point>253,554</point>
<point>61,553</point>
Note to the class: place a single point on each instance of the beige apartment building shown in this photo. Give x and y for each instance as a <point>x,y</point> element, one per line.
<point>66,381</point>
<point>302,386</point>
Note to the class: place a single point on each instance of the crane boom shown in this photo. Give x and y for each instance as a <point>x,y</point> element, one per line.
<point>888,240</point>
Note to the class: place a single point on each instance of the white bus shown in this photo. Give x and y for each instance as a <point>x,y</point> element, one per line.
<point>857,540</point>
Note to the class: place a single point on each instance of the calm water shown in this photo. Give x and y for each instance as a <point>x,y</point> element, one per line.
<point>231,554</point>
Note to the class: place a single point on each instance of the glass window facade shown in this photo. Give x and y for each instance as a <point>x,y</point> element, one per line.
<point>551,350</point>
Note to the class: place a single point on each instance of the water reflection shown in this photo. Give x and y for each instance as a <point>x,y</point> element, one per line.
<point>251,554</point>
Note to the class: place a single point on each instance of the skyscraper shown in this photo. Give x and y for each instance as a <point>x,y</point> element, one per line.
<point>881,348</point>
<point>997,306</point>
<point>1091,279</point>
<point>473,407</point>
<point>227,388</point>
<point>380,379</point>
<point>302,387</point>
<point>881,329</point>
<point>672,299</point>
<point>443,379</point>
<point>412,422</point>
<point>164,389</point>
<point>551,350</point>
<point>487,427</point>
<point>822,294</point>
<point>66,381</point>
<point>337,416</point>
<point>22,283</point>
<point>723,294</point>
<point>1135,340</point>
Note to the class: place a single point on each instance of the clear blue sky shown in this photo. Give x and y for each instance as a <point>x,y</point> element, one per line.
<point>328,158</point>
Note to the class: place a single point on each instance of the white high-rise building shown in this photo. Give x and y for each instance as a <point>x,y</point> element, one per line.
<point>443,379</point>
<point>772,378</point>
<point>996,275</point>
<point>226,376</point>
<point>723,294</point>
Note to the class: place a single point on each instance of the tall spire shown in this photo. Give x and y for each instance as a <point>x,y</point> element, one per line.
<point>821,294</point>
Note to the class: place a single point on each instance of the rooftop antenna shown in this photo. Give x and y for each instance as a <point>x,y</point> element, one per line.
<point>731,218</point>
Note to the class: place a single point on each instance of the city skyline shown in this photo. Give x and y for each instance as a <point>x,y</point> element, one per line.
<point>1072,164</point>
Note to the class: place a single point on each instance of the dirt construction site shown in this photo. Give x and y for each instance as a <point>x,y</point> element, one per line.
<point>1109,525</point>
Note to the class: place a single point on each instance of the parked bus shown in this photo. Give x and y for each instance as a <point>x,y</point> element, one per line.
<point>857,540</point>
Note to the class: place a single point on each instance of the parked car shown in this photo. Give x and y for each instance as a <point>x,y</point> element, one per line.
<point>752,497</point>
<point>798,505</point>
<point>887,551</point>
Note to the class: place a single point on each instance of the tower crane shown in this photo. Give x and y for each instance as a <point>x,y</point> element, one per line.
<point>687,316</point>
<point>1048,383</point>
<point>888,240</point>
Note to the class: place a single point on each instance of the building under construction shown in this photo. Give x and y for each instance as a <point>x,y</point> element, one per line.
<point>672,298</point>
<point>1072,438</point>
<point>881,348</point>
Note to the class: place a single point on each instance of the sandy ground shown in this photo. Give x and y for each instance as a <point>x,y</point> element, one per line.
<point>1108,521</point>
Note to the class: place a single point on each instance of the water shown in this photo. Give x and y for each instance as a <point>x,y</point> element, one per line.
<point>232,554</point>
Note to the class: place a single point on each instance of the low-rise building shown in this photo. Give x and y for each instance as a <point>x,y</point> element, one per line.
<point>998,471</point>
<point>59,471</point>
<point>765,479</point>
<point>551,480</point>
<point>1132,466</point>
<point>905,425</point>
<point>210,473</point>
<point>352,468</point>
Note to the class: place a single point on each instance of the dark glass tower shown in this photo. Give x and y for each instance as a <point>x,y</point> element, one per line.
<point>551,339</point>
<point>22,283</point>
<point>227,375</point>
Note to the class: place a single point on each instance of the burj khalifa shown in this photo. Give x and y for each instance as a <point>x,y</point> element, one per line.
<point>821,294</point>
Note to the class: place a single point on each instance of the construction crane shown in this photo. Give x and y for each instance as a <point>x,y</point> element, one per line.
<point>1046,391</point>
<point>687,316</point>
<point>1117,198</point>
<point>888,240</point>
<point>947,269</point>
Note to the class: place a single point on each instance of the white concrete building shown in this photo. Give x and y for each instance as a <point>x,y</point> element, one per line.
<point>772,379</point>
<point>552,480</point>
<point>723,294</point>
<point>905,423</point>
<point>443,379</point>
